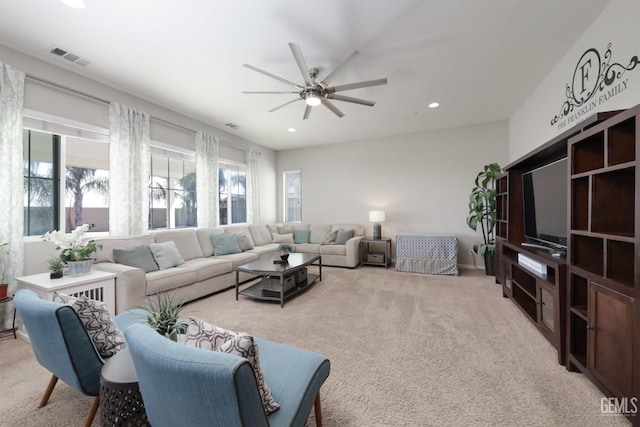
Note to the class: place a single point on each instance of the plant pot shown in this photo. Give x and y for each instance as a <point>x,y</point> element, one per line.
<point>490,264</point>
<point>284,257</point>
<point>3,291</point>
<point>79,268</point>
<point>55,275</point>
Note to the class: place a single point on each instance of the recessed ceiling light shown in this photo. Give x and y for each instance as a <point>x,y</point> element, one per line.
<point>76,4</point>
<point>291,130</point>
<point>434,105</point>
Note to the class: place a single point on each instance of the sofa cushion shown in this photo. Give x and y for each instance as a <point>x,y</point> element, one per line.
<point>282,238</point>
<point>206,268</point>
<point>329,238</point>
<point>97,321</point>
<point>168,279</point>
<point>185,240</point>
<point>204,238</point>
<point>237,229</point>
<point>225,243</point>
<point>308,248</point>
<point>333,250</point>
<point>344,235</point>
<point>166,254</point>
<point>260,234</point>
<point>270,248</point>
<point>291,227</point>
<point>301,236</point>
<point>317,231</point>
<point>108,244</point>
<point>239,258</point>
<point>136,256</point>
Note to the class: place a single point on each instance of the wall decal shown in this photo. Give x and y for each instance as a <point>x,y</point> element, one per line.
<point>592,75</point>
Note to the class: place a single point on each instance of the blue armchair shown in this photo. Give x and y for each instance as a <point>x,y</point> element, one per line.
<point>182,385</point>
<point>61,345</point>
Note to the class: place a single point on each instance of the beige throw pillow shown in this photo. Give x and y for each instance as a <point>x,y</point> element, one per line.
<point>282,238</point>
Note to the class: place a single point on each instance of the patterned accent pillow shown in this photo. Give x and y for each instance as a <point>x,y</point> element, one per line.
<point>97,321</point>
<point>329,238</point>
<point>204,335</point>
<point>243,345</point>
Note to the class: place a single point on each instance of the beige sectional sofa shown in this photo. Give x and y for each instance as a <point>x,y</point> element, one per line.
<point>202,272</point>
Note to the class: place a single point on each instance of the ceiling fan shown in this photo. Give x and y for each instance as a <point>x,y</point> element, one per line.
<point>318,92</point>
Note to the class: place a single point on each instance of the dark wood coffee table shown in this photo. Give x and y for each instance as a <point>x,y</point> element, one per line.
<point>266,268</point>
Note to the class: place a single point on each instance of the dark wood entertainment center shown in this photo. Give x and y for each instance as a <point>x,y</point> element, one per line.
<point>586,303</point>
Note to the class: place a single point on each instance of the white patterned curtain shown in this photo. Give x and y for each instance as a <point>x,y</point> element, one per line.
<point>11,196</point>
<point>129,170</point>
<point>207,179</point>
<point>253,195</point>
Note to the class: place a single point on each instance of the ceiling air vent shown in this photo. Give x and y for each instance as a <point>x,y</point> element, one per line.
<point>232,125</point>
<point>71,57</point>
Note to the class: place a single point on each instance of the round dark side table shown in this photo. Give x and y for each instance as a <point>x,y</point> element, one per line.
<point>120,399</point>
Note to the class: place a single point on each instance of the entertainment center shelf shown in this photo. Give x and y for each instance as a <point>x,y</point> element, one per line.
<point>587,302</point>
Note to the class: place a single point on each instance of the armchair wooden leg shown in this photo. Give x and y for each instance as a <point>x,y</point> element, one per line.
<point>318,410</point>
<point>92,412</point>
<point>48,391</point>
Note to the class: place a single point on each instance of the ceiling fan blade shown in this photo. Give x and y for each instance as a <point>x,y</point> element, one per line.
<point>260,92</point>
<point>285,104</point>
<point>350,99</point>
<point>273,76</point>
<point>307,112</point>
<point>333,108</point>
<point>332,75</point>
<point>297,54</point>
<point>357,85</point>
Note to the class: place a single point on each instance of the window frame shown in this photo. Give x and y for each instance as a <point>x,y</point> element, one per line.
<point>285,211</point>
<point>240,167</point>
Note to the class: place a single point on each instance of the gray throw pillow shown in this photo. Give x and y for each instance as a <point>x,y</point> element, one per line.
<point>136,256</point>
<point>301,236</point>
<point>225,243</point>
<point>343,236</point>
<point>166,254</point>
<point>329,238</point>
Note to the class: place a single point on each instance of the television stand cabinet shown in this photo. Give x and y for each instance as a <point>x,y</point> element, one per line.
<point>540,296</point>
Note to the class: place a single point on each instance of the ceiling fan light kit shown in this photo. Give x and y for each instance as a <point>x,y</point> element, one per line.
<point>316,93</point>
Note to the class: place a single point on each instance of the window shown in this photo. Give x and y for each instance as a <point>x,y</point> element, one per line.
<point>41,178</point>
<point>172,193</point>
<point>232,186</point>
<point>292,196</point>
<point>86,184</point>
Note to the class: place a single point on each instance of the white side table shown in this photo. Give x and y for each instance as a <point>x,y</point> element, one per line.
<point>97,285</point>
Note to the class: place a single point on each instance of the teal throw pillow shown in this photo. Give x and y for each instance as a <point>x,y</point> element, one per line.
<point>225,243</point>
<point>343,236</point>
<point>166,254</point>
<point>301,236</point>
<point>136,256</point>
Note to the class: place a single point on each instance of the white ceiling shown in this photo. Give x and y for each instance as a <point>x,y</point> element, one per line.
<point>479,59</point>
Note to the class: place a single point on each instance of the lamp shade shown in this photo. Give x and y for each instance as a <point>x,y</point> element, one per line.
<point>376,216</point>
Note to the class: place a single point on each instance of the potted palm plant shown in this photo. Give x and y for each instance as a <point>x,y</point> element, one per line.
<point>482,212</point>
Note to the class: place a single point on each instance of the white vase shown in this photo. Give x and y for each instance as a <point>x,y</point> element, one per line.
<point>79,268</point>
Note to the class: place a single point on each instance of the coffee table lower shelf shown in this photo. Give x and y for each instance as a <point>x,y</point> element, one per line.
<point>255,291</point>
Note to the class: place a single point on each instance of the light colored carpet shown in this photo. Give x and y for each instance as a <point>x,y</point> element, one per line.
<point>405,349</point>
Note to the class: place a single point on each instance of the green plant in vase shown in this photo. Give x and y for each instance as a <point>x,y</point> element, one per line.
<point>284,249</point>
<point>163,313</point>
<point>55,268</point>
<point>482,212</point>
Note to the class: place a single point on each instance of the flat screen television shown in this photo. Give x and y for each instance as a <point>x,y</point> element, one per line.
<point>544,192</point>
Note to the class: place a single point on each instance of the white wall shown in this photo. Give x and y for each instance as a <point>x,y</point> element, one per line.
<point>421,181</point>
<point>530,126</point>
<point>45,98</point>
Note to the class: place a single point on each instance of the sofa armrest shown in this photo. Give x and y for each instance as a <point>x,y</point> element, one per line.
<point>131,284</point>
<point>353,251</point>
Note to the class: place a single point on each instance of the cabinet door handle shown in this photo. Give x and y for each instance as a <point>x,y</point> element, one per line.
<point>589,327</point>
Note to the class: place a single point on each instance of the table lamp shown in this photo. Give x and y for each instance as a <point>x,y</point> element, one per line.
<point>377,217</point>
